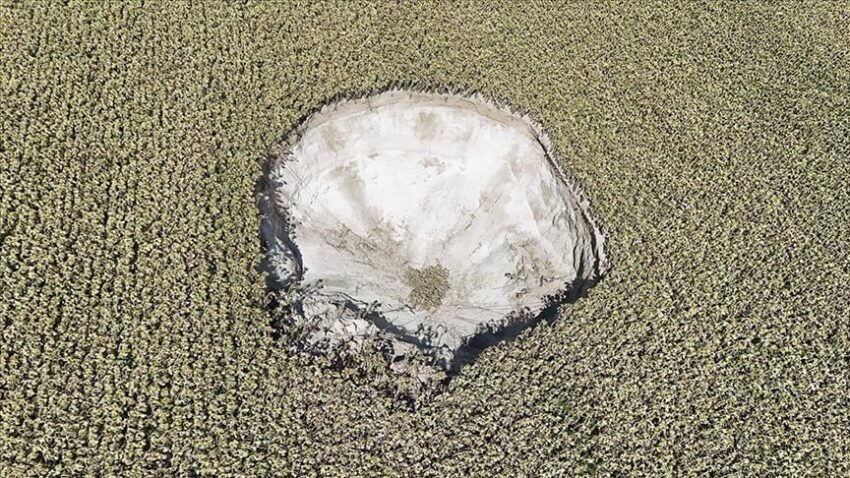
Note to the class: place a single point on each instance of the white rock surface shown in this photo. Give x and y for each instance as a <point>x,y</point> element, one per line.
<point>367,188</point>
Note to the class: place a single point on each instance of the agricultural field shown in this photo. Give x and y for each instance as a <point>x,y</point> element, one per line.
<point>713,140</point>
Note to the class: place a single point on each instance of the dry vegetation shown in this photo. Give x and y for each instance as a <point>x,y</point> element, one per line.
<point>429,286</point>
<point>713,139</point>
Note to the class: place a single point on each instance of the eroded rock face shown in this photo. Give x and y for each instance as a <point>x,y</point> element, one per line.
<point>426,220</point>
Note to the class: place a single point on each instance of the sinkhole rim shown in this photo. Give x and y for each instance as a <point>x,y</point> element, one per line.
<point>513,324</point>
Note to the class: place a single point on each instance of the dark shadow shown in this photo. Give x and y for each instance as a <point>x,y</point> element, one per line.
<point>478,343</point>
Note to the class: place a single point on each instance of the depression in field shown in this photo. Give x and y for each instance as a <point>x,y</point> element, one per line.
<point>434,222</point>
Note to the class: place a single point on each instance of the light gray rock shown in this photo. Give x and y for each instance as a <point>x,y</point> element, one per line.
<point>426,220</point>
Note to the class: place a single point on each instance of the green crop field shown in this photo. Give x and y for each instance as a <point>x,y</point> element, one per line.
<point>712,138</point>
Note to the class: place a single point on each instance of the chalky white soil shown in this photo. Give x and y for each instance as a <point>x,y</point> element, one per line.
<point>369,188</point>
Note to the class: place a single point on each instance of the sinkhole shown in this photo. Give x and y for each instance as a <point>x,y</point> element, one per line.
<point>436,223</point>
